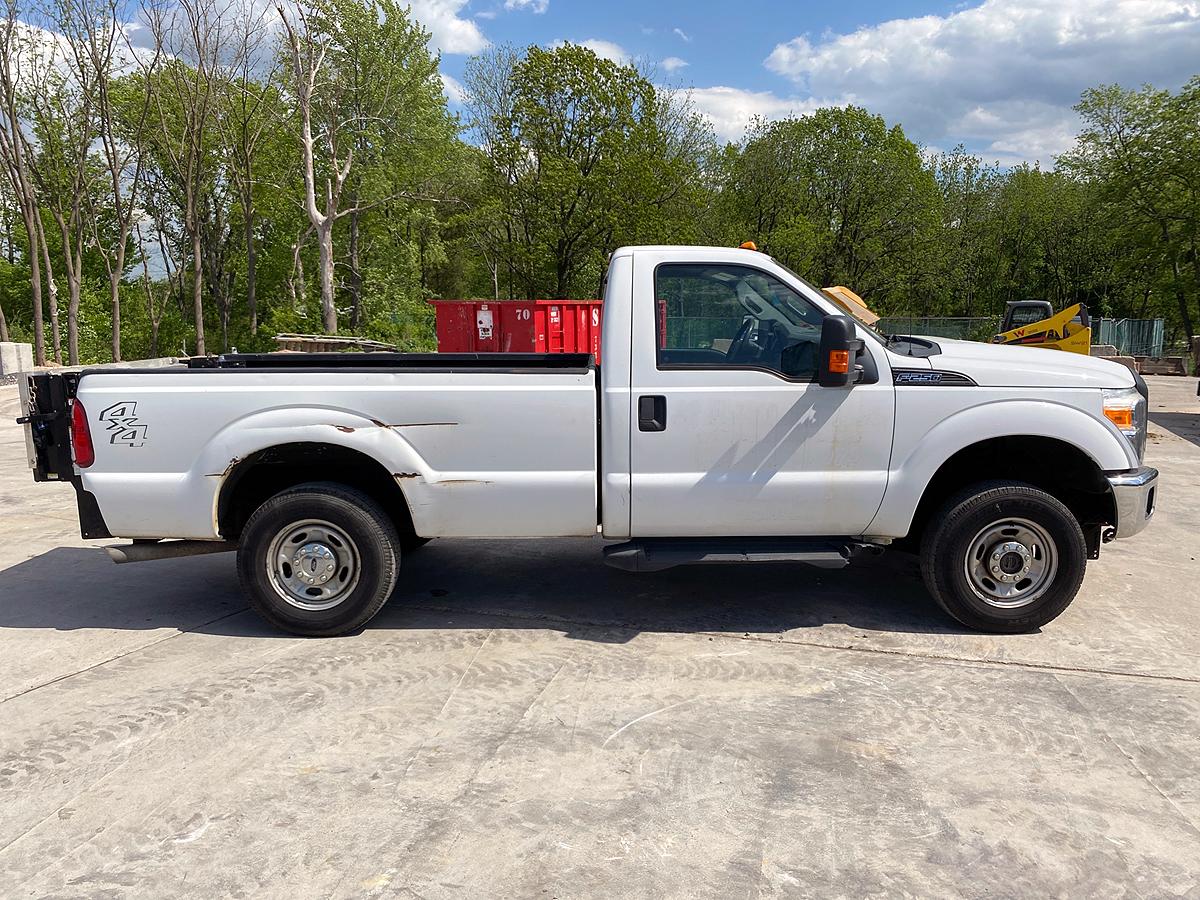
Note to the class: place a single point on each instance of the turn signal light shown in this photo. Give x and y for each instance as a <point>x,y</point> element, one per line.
<point>839,361</point>
<point>1121,416</point>
<point>81,436</point>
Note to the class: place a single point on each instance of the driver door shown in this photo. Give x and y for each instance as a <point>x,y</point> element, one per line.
<point>723,443</point>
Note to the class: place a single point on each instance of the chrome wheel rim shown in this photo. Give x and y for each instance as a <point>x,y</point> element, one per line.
<point>1011,563</point>
<point>313,565</point>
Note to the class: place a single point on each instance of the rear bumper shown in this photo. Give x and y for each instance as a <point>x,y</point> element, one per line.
<point>1134,497</point>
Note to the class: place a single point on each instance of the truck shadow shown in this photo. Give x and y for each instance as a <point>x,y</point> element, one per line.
<point>514,584</point>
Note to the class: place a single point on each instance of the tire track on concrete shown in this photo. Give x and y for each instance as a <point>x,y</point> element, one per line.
<point>299,682</point>
<point>974,661</point>
<point>118,656</point>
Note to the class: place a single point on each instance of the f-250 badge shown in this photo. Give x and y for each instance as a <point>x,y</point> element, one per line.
<point>123,425</point>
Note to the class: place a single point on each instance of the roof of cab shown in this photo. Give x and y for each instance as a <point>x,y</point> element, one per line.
<point>690,249</point>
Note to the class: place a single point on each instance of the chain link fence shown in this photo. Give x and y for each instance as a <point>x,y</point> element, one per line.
<point>973,328</point>
<point>1131,337</point>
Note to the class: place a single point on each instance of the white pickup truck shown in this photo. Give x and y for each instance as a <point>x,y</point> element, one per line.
<point>738,417</point>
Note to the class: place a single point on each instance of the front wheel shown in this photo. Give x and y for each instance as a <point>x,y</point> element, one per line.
<point>319,559</point>
<point>1003,557</point>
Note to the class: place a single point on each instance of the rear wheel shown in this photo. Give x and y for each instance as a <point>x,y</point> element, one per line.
<point>1003,557</point>
<point>319,559</point>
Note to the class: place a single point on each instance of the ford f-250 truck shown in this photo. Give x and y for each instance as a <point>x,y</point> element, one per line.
<point>738,417</point>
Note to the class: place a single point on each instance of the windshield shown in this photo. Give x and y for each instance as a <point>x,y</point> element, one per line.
<point>866,329</point>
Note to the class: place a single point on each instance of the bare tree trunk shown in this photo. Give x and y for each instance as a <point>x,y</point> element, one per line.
<point>115,300</point>
<point>198,289</point>
<point>1185,314</point>
<point>147,285</point>
<point>52,292</point>
<point>325,248</point>
<point>307,52</point>
<point>3,325</point>
<point>251,270</point>
<point>35,288</point>
<point>355,274</point>
<point>226,306</point>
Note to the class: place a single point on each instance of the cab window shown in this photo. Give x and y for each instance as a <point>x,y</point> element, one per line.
<point>734,317</point>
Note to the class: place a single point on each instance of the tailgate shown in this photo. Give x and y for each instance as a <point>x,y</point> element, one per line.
<point>46,417</point>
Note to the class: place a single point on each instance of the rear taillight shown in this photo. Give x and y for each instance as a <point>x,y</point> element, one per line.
<point>81,436</point>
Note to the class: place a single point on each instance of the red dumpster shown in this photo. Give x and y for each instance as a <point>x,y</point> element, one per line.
<point>518,326</point>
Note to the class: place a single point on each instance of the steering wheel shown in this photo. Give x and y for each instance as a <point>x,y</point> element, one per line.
<point>740,342</point>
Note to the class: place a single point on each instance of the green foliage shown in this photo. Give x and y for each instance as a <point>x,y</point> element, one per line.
<point>1139,151</point>
<point>840,196</point>
<point>581,154</point>
<point>562,158</point>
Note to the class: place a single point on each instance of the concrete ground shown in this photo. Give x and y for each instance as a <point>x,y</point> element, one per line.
<point>522,721</point>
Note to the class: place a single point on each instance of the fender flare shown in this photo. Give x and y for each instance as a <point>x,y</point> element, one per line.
<point>909,478</point>
<point>282,426</point>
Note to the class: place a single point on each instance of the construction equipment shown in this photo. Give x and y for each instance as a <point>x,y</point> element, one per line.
<point>1033,323</point>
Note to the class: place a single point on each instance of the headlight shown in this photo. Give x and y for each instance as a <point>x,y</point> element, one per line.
<point>1126,408</point>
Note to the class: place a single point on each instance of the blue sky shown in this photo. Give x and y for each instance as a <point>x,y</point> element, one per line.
<point>998,76</point>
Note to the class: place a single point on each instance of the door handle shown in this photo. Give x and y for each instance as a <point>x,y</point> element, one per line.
<point>652,413</point>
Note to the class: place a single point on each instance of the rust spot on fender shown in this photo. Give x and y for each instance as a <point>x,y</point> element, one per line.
<point>463,481</point>
<point>399,476</point>
<point>344,428</point>
<point>229,468</point>
<point>379,424</point>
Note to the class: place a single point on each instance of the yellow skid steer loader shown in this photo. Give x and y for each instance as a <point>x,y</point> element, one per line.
<point>1033,323</point>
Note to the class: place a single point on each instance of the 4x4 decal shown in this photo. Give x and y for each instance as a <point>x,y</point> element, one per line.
<point>123,425</point>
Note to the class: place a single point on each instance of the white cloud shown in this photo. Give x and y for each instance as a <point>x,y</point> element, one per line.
<point>451,33</point>
<point>673,63</point>
<point>603,49</point>
<point>731,109</point>
<point>486,14</point>
<point>452,88</point>
<point>1003,75</point>
<point>535,6</point>
<point>679,32</point>
<point>607,50</point>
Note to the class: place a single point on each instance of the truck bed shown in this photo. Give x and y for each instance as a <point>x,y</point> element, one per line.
<point>480,444</point>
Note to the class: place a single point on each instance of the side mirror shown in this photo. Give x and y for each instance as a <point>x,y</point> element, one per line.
<point>837,351</point>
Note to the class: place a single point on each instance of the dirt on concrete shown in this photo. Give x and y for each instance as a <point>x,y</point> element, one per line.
<point>523,721</point>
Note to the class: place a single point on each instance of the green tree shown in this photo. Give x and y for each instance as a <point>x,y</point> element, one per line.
<point>582,154</point>
<point>839,195</point>
<point>370,110</point>
<point>1141,151</point>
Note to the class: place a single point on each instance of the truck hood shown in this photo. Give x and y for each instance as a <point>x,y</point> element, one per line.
<point>995,365</point>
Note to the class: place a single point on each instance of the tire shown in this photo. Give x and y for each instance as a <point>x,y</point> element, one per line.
<point>319,559</point>
<point>1003,557</point>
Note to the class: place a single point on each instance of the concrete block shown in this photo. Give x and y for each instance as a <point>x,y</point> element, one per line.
<point>15,357</point>
<point>1104,350</point>
<point>1162,365</point>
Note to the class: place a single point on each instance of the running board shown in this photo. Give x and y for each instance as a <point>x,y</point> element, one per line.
<point>656,554</point>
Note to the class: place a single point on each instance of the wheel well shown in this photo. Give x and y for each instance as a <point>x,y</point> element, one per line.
<point>264,474</point>
<point>1056,467</point>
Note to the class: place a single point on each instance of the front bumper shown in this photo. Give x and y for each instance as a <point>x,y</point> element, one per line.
<point>1134,496</point>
